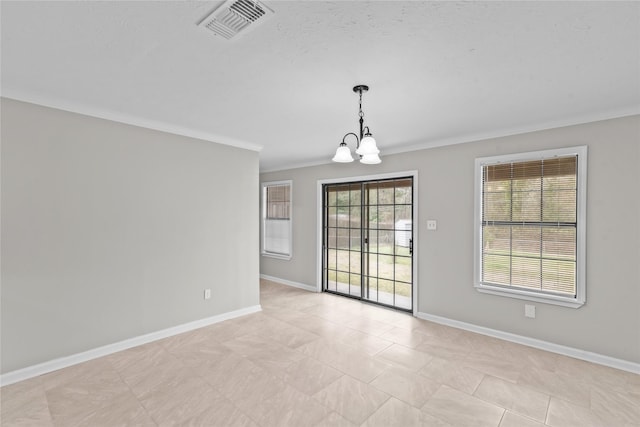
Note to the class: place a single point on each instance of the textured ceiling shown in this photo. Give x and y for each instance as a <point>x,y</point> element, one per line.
<point>439,72</point>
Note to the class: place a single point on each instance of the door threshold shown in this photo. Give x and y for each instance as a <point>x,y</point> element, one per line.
<point>375,303</point>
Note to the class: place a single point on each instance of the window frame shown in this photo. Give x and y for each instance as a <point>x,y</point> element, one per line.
<point>263,195</point>
<point>581,216</point>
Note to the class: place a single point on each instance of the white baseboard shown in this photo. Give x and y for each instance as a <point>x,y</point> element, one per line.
<point>600,359</point>
<point>63,362</point>
<point>290,283</point>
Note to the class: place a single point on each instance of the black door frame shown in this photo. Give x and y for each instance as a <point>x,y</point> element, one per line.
<point>321,225</point>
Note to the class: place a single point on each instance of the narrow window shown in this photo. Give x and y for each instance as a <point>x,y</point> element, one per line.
<point>276,219</point>
<point>530,218</point>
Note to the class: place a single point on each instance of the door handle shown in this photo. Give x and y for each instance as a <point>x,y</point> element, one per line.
<point>410,246</point>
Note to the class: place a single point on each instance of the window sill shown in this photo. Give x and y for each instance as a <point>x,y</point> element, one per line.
<point>276,256</point>
<point>531,296</point>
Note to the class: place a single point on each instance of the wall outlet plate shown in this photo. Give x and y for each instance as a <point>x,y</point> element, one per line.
<point>530,311</point>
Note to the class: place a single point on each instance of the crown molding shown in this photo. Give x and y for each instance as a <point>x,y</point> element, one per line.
<point>172,128</point>
<point>115,116</point>
<point>482,136</point>
<point>519,130</point>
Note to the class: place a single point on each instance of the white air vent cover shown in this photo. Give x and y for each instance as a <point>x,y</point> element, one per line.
<point>235,17</point>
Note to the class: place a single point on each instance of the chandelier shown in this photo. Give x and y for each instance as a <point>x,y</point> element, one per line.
<point>365,144</point>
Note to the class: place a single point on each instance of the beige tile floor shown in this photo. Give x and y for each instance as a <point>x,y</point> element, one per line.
<point>322,360</point>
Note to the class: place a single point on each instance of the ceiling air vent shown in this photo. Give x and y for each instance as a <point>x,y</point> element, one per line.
<point>235,17</point>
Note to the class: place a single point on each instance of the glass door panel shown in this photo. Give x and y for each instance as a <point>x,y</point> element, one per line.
<point>368,241</point>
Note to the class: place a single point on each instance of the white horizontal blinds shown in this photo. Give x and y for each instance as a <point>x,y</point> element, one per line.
<point>277,221</point>
<point>529,223</point>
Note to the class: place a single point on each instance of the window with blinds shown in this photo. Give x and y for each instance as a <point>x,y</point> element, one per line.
<point>529,229</point>
<point>276,219</point>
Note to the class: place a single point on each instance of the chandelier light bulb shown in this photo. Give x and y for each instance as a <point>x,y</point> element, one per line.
<point>370,159</point>
<point>367,146</point>
<point>343,154</point>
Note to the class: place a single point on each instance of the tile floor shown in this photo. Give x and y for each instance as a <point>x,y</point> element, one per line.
<point>322,360</point>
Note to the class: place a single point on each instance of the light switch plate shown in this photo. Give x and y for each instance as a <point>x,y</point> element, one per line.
<point>432,224</point>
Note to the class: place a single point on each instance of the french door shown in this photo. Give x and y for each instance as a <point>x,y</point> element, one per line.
<point>368,241</point>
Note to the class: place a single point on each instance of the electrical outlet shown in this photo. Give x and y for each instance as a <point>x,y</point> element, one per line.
<point>432,224</point>
<point>207,293</point>
<point>530,311</point>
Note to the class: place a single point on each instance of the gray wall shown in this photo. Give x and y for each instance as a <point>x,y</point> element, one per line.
<point>111,231</point>
<point>608,324</point>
